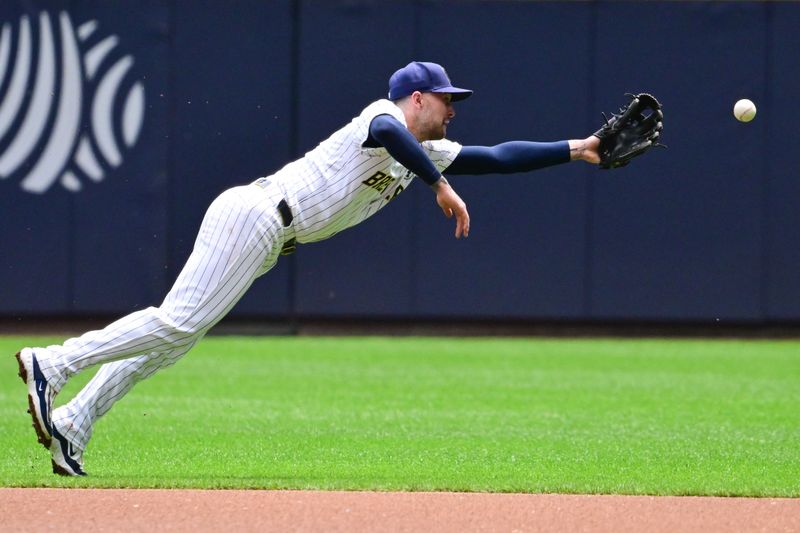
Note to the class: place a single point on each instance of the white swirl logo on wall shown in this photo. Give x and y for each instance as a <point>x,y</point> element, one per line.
<point>44,138</point>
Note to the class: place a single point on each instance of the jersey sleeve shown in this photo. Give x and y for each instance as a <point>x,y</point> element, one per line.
<point>442,152</point>
<point>403,147</point>
<point>380,107</point>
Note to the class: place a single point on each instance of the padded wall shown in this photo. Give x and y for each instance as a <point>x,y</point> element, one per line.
<point>142,112</point>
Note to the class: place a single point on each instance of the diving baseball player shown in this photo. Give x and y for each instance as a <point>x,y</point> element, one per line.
<point>344,180</point>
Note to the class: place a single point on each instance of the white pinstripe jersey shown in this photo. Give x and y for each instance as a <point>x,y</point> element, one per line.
<point>340,183</point>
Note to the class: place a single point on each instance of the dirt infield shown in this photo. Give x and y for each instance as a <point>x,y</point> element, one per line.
<point>238,510</point>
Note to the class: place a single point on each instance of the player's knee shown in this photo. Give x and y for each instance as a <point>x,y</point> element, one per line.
<point>181,325</point>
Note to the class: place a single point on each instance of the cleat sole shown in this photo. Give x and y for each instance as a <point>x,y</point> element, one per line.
<point>22,373</point>
<point>63,471</point>
<point>41,435</point>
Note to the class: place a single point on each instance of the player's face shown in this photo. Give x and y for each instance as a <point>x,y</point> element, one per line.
<point>435,115</point>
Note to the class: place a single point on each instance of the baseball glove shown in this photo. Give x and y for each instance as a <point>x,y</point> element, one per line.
<point>631,132</point>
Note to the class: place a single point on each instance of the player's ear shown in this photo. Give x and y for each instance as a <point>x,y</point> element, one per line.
<point>416,98</point>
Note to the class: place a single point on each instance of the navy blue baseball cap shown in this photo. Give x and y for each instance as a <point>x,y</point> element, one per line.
<point>425,78</point>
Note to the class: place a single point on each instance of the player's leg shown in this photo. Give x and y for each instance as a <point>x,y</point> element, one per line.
<point>46,370</point>
<point>73,423</point>
<point>235,240</point>
<point>240,239</point>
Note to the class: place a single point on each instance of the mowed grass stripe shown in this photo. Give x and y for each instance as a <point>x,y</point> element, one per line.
<point>653,416</point>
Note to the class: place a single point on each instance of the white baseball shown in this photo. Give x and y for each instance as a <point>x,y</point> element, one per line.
<point>744,110</point>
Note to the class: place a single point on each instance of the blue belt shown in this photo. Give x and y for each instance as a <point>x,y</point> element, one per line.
<point>290,245</point>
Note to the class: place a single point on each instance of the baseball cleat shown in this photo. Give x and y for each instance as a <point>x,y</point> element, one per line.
<point>40,395</point>
<point>67,459</point>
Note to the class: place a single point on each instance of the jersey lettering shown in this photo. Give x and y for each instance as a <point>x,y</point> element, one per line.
<point>379,181</point>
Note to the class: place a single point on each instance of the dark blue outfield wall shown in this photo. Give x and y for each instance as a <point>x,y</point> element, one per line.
<point>120,121</point>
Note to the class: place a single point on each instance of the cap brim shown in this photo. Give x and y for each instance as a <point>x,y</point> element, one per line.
<point>456,93</point>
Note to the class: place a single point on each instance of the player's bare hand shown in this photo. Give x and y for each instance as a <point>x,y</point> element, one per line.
<point>452,204</point>
<point>585,149</point>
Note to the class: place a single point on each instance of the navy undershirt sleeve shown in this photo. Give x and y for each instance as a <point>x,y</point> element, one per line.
<point>509,157</point>
<point>387,131</point>
<point>505,158</point>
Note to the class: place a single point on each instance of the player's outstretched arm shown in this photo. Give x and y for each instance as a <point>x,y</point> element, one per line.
<point>452,204</point>
<point>523,156</point>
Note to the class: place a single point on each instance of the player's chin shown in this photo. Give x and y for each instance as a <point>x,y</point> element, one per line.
<point>435,135</point>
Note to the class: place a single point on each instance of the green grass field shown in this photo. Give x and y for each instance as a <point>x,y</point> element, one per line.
<point>656,416</point>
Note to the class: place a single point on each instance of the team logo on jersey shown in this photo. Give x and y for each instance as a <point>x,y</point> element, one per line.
<point>380,181</point>
<point>68,103</point>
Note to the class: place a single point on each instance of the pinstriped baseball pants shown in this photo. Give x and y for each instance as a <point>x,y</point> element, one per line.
<point>239,240</point>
